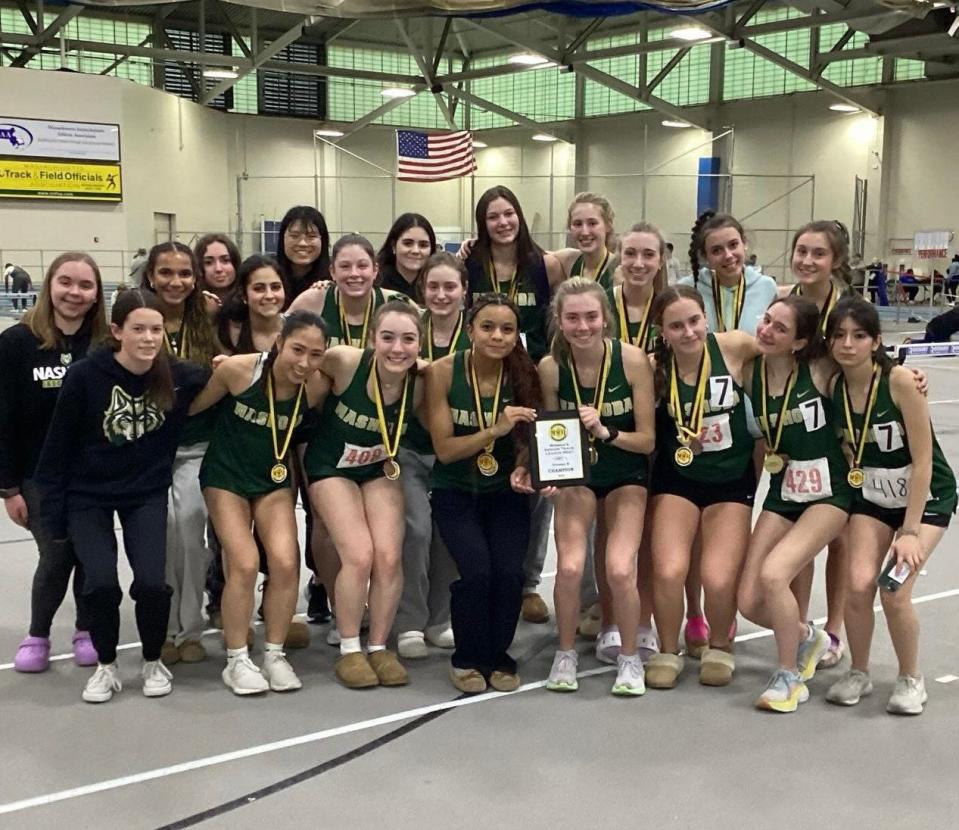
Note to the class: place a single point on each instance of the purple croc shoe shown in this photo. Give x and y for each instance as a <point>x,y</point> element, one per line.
<point>84,654</point>
<point>33,655</point>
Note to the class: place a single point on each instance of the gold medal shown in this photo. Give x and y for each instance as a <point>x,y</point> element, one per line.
<point>391,469</point>
<point>599,392</point>
<point>856,477</point>
<point>487,463</point>
<point>279,471</point>
<point>773,463</point>
<point>683,456</point>
<point>688,429</point>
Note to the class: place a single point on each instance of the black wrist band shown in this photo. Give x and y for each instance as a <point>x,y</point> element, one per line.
<point>613,432</point>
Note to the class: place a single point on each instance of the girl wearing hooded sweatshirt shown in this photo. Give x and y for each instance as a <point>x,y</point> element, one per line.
<point>110,449</point>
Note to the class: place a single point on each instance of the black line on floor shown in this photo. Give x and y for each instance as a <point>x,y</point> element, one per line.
<point>306,775</point>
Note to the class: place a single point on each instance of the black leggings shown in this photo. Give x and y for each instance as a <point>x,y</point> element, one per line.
<point>52,576</point>
<point>487,536</point>
<point>144,540</point>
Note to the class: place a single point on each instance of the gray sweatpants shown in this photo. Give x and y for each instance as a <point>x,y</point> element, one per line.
<point>187,554</point>
<point>428,568</point>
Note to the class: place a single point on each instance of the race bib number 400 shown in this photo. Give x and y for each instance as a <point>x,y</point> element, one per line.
<point>806,481</point>
<point>354,456</point>
<point>887,488</point>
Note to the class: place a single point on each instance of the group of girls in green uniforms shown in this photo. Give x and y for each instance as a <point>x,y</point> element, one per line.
<point>408,428</point>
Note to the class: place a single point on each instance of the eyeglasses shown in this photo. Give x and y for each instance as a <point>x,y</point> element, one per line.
<point>298,236</point>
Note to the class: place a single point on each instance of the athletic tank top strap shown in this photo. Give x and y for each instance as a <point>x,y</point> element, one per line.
<point>605,276</point>
<point>615,295</point>
<point>615,465</point>
<point>465,474</point>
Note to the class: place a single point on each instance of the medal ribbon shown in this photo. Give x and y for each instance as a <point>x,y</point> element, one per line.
<point>391,445</point>
<point>494,283</point>
<point>599,393</point>
<point>478,402</point>
<point>831,299</point>
<point>598,272</point>
<point>859,440</point>
<point>345,325</point>
<point>686,430</point>
<point>739,298</point>
<point>429,335</point>
<point>280,454</point>
<point>181,350</point>
<point>643,332</point>
<point>773,446</point>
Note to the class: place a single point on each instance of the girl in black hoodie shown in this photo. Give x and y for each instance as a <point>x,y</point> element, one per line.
<point>110,449</point>
<point>34,358</point>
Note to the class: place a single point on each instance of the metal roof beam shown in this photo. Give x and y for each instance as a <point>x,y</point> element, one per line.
<point>426,73</point>
<point>290,36</point>
<point>47,35</point>
<point>669,67</point>
<point>930,44</point>
<point>482,103</point>
<point>372,115</point>
<point>818,64</point>
<point>234,31</point>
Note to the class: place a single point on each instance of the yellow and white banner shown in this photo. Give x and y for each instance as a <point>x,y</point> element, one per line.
<point>60,180</point>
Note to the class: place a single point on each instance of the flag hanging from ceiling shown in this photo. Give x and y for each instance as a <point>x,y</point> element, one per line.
<point>423,157</point>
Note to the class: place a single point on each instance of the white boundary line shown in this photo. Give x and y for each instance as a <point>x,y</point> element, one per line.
<point>322,735</point>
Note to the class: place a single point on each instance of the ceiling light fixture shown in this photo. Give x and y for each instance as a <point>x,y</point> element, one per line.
<point>326,132</point>
<point>222,74</point>
<point>479,145</point>
<point>676,124</point>
<point>527,59</point>
<point>690,33</point>
<point>544,137</point>
<point>844,108</point>
<point>397,92</point>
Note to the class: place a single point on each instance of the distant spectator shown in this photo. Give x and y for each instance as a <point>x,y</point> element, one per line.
<point>952,277</point>
<point>137,266</point>
<point>17,281</point>
<point>909,285</point>
<point>672,266</point>
<point>877,283</point>
<point>941,327</point>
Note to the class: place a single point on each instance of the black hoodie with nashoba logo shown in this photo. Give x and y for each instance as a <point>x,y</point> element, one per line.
<point>108,445</point>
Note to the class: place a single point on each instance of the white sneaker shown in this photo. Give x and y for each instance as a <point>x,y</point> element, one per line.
<point>850,688</point>
<point>608,643</point>
<point>908,696</point>
<point>333,635</point>
<point>243,677</point>
<point>412,645</point>
<point>441,636</point>
<point>562,676</point>
<point>279,673</point>
<point>630,677</point>
<point>100,687</point>
<point>157,679</point>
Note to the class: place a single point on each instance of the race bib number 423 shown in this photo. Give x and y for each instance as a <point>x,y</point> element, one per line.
<point>716,433</point>
<point>354,456</point>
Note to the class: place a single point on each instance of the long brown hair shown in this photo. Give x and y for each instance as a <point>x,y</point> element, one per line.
<point>835,233</point>
<point>663,353</point>
<point>197,328</point>
<point>41,320</point>
<point>159,379</point>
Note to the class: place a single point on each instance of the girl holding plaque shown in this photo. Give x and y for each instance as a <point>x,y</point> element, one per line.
<point>351,464</point>
<point>610,384</point>
<point>703,479</point>
<point>904,494</point>
<point>424,610</point>
<point>348,304</point>
<point>808,501</point>
<point>246,479</point>
<point>476,399</point>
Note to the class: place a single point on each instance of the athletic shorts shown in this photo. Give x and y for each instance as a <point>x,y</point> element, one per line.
<point>667,481</point>
<point>602,491</point>
<point>894,518</point>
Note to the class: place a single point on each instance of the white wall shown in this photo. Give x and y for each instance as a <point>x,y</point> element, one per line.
<point>196,163</point>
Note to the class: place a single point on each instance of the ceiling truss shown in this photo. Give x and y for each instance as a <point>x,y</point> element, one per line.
<point>259,35</point>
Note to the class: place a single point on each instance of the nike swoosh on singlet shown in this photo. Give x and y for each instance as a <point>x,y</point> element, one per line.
<point>613,388</point>
<point>804,394</point>
<point>884,412</point>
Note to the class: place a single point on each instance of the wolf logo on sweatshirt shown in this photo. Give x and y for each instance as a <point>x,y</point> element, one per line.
<point>129,418</point>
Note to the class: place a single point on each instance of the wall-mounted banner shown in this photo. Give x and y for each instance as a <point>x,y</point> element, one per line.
<point>81,140</point>
<point>60,180</point>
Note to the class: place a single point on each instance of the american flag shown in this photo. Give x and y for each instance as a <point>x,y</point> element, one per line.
<point>433,158</point>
